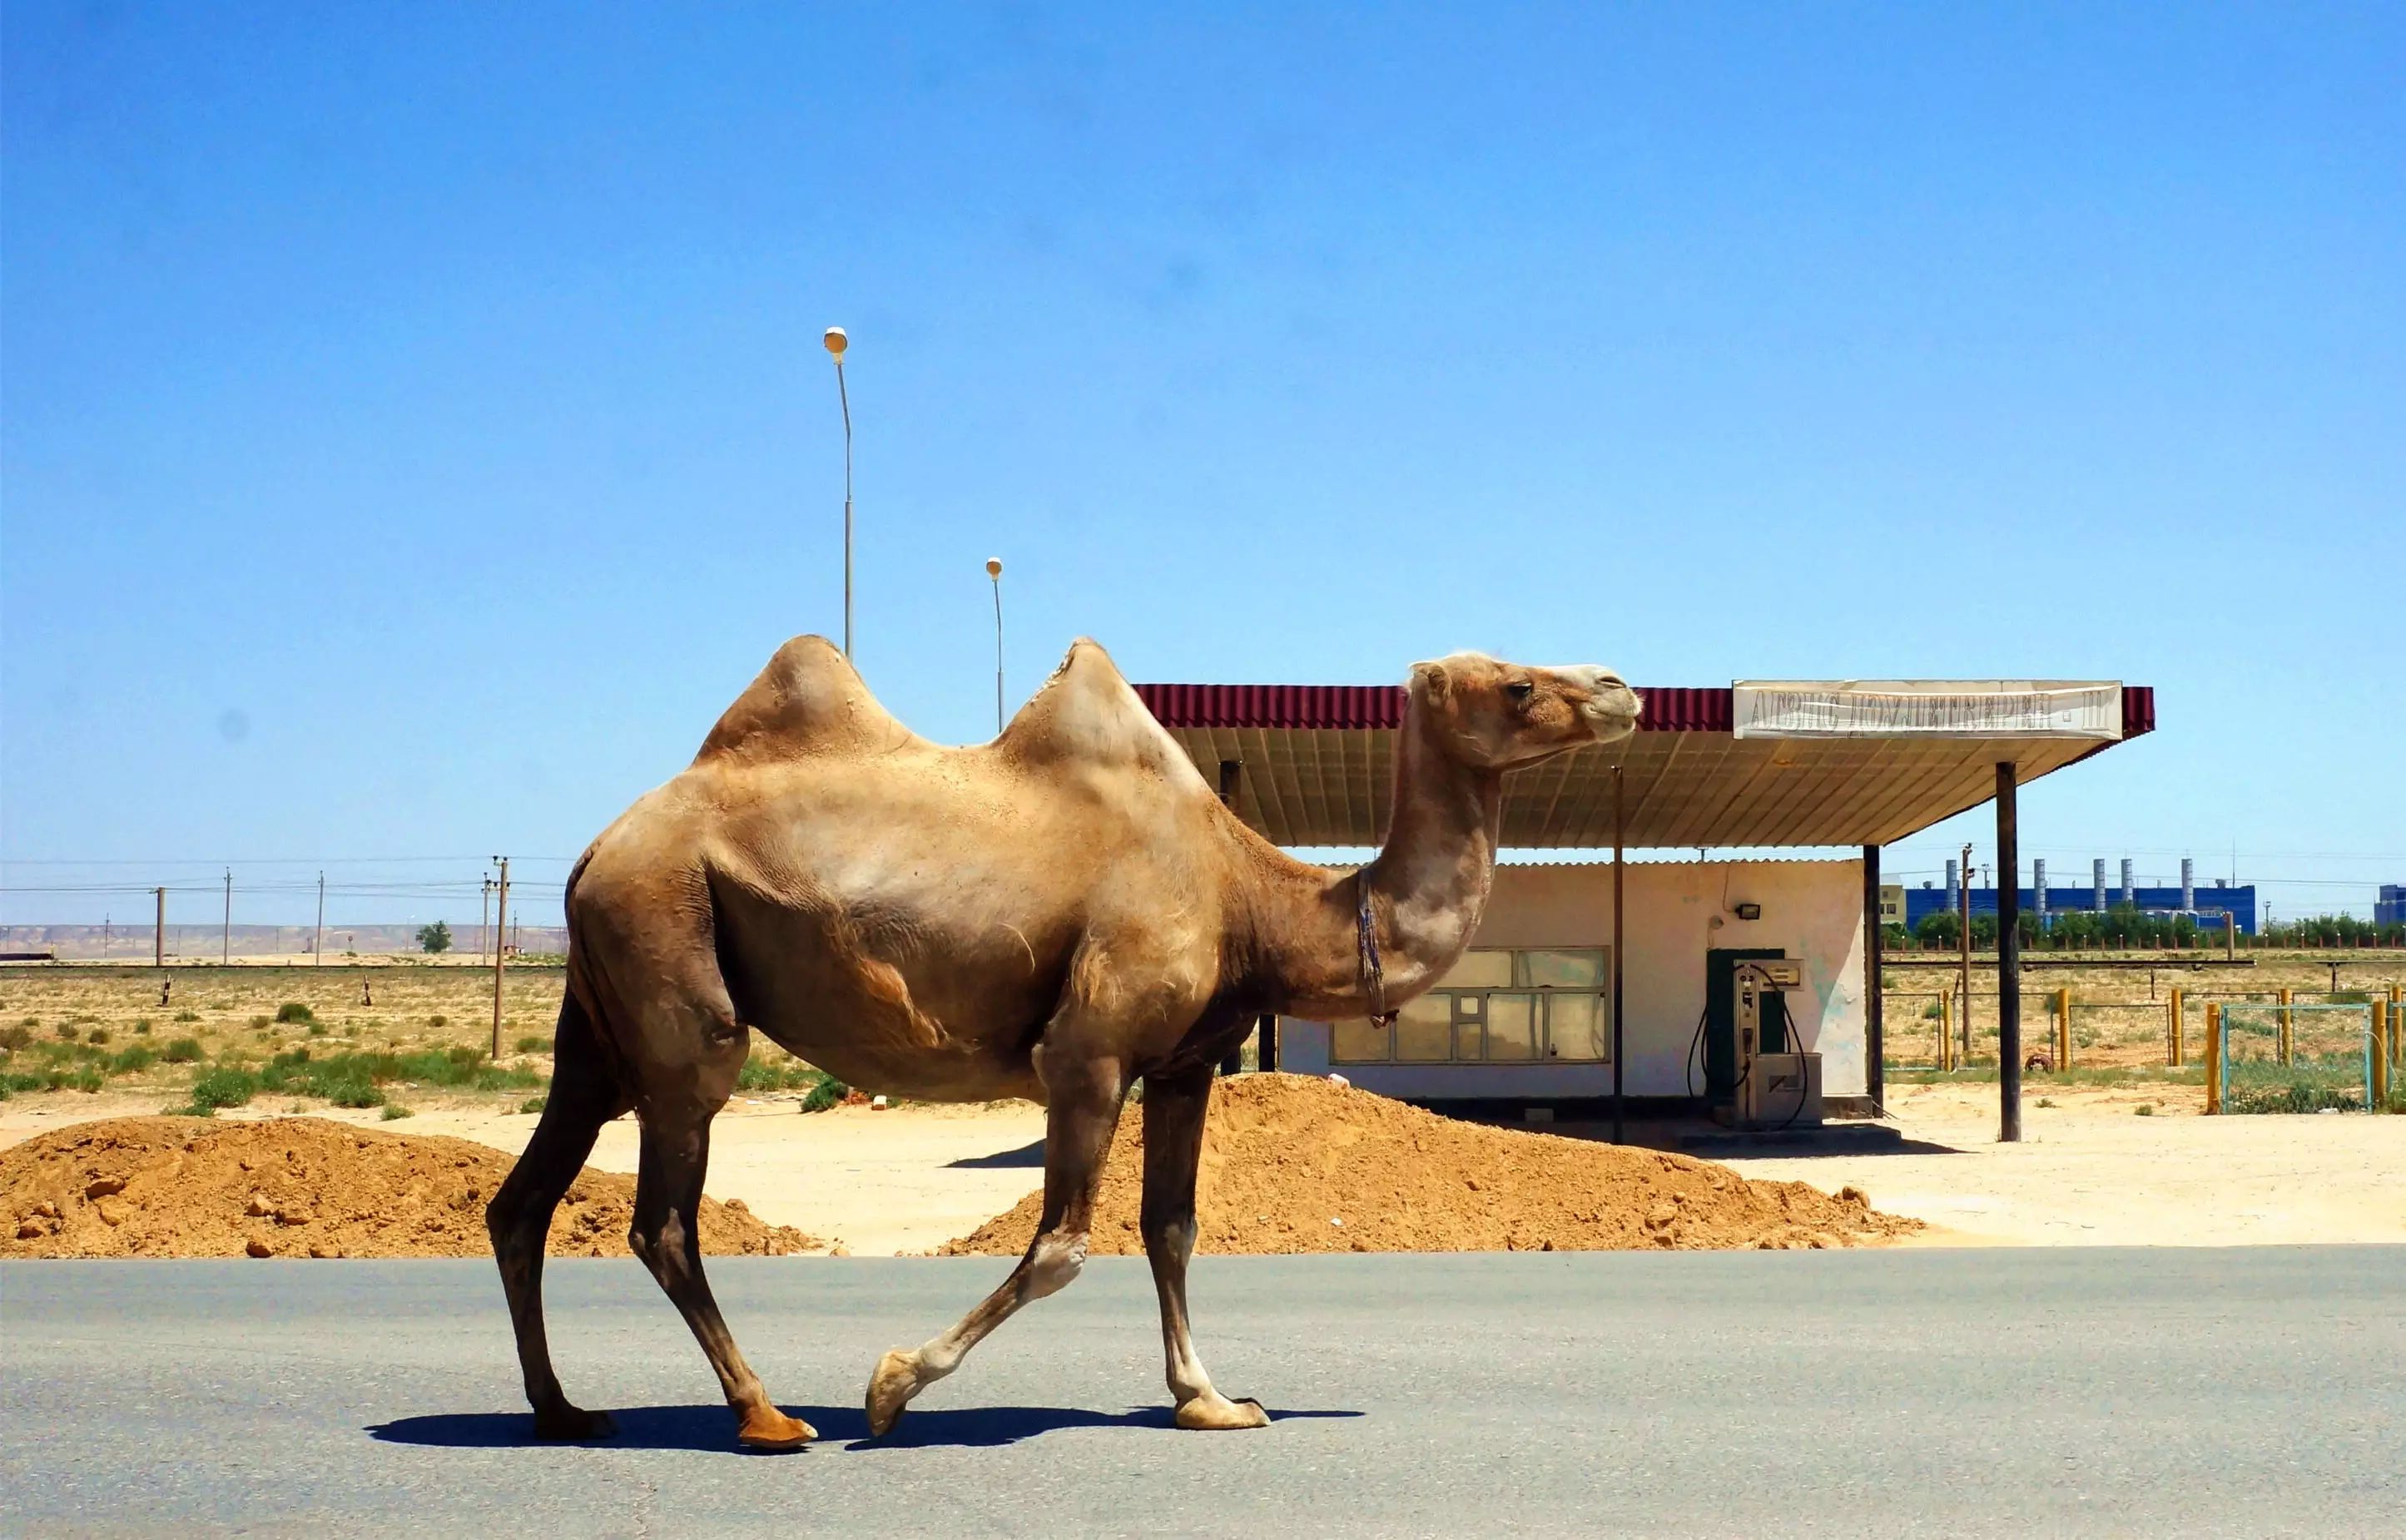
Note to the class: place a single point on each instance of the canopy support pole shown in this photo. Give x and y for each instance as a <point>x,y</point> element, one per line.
<point>2009,959</point>
<point>1619,859</point>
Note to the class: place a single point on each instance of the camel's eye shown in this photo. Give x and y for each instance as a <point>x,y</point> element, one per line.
<point>1519,691</point>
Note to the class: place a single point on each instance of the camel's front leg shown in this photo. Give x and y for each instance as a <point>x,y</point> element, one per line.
<point>1082,1112</point>
<point>1173,1148</point>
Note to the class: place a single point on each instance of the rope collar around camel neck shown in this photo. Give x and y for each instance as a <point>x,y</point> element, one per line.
<point>1366,933</point>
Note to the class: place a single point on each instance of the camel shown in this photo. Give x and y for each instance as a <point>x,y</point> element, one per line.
<point>1059,913</point>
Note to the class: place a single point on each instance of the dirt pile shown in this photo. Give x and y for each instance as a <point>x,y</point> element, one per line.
<point>301,1187</point>
<point>1297,1163</point>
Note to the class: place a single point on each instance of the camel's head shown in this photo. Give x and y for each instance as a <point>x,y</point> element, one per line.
<point>1498,716</point>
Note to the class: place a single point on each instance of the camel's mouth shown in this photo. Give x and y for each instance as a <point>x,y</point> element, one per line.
<point>1613,717</point>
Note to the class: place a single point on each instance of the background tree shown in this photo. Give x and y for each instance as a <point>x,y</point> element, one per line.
<point>434,937</point>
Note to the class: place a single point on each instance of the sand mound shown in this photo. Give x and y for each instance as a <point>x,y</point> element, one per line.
<point>301,1187</point>
<point>1297,1163</point>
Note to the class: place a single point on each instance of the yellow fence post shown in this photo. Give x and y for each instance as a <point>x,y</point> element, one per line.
<point>2381,1030</point>
<point>2214,1055</point>
<point>2062,1030</point>
<point>2284,1026</point>
<point>2174,1053</point>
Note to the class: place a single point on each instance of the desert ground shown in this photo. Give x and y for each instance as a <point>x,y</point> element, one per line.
<point>2112,1155</point>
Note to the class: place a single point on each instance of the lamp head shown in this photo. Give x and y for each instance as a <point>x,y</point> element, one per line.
<point>836,342</point>
<point>993,567</point>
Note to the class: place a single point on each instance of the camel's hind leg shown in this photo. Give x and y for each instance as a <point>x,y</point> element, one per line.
<point>582,1098</point>
<point>1082,1112</point>
<point>667,1236</point>
<point>1173,1148</point>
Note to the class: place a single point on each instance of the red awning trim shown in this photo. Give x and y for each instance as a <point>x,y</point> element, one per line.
<point>1362,706</point>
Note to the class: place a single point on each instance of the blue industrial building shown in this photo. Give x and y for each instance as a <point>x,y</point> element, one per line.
<point>2390,909</point>
<point>2207,903</point>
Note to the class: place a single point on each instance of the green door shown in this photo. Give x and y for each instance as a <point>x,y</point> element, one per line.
<point>1720,1019</point>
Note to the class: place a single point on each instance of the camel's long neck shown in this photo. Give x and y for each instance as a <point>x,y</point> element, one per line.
<point>1427,887</point>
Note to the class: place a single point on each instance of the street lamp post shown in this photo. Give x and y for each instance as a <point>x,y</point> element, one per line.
<point>836,343</point>
<point>994,570</point>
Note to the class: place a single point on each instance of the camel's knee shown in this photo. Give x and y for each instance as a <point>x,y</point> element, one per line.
<point>662,1247</point>
<point>1054,1264</point>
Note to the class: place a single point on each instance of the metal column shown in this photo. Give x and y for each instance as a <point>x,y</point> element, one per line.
<point>1620,860</point>
<point>2009,960</point>
<point>1874,1015</point>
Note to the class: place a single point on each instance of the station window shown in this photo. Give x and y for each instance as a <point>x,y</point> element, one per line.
<point>1498,1005</point>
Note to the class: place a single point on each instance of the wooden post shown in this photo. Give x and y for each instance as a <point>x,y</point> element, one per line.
<point>2214,1055</point>
<point>501,928</point>
<point>1945,1030</point>
<point>2174,1051</point>
<point>2009,957</point>
<point>2062,1030</point>
<point>2285,1015</point>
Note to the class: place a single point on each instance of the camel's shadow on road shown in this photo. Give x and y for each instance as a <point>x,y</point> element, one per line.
<point>711,1429</point>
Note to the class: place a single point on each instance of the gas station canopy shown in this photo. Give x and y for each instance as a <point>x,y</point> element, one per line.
<point>1757,763</point>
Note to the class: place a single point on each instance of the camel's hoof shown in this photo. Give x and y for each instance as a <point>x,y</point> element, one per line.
<point>567,1424</point>
<point>890,1388</point>
<point>767,1428</point>
<point>1217,1412</point>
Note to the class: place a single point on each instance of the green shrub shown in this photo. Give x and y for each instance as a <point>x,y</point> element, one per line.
<point>827,1093</point>
<point>133,1061</point>
<point>183,1051</point>
<point>14,1038</point>
<point>295,1010</point>
<point>97,1036</point>
<point>195,1110</point>
<point>86,1080</point>
<point>534,1104</point>
<point>534,1045</point>
<point>438,1020</point>
<point>22,1081</point>
<point>142,1026</point>
<point>317,1029</point>
<point>224,1086</point>
<point>2144,1109</point>
<point>188,1015</point>
<point>393,1112</point>
<point>65,1032</point>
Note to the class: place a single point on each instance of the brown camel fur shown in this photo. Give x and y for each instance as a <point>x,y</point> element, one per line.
<point>1058,913</point>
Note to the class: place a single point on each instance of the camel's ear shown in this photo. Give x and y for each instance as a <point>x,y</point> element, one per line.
<point>1432,681</point>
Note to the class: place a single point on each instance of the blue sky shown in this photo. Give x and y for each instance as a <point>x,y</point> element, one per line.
<point>416,427</point>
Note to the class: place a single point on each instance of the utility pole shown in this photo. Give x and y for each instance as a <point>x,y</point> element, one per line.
<point>836,343</point>
<point>317,943</point>
<point>1963,916</point>
<point>484,916</point>
<point>105,917</point>
<point>159,930</point>
<point>500,914</point>
<point>994,570</point>
<point>225,937</point>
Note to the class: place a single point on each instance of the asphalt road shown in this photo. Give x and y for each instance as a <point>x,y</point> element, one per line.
<point>2070,1392</point>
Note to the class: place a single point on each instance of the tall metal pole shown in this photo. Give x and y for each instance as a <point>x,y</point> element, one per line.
<point>501,928</point>
<point>225,937</point>
<point>1620,858</point>
<point>836,343</point>
<point>318,946</point>
<point>994,570</point>
<point>484,916</point>
<point>159,930</point>
<point>2009,960</point>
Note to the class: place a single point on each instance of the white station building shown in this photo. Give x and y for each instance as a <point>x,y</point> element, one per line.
<point>1529,1015</point>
